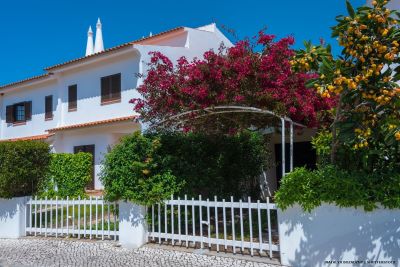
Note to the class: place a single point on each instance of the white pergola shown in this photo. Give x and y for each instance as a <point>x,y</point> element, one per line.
<point>210,111</point>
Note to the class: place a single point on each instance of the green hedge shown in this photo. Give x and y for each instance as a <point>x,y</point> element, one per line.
<point>69,173</point>
<point>148,169</point>
<point>343,188</point>
<point>22,165</point>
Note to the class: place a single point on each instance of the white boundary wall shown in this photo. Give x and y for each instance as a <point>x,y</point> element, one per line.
<point>339,234</point>
<point>12,217</point>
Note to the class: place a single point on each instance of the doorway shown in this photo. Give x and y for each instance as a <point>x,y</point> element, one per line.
<point>88,149</point>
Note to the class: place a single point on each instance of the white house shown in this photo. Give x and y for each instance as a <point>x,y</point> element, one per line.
<point>83,104</point>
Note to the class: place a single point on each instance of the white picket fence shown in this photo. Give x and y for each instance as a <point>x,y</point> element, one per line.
<point>231,226</point>
<point>91,218</point>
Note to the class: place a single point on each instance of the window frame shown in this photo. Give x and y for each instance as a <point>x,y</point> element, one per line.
<point>72,105</point>
<point>110,90</point>
<point>15,111</point>
<point>48,114</point>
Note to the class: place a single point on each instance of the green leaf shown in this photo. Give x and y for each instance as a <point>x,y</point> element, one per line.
<point>350,9</point>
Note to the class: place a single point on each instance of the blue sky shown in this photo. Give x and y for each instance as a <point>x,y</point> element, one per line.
<point>41,33</point>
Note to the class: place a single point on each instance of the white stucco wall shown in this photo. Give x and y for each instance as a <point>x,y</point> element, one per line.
<point>38,125</point>
<point>13,217</point>
<point>88,80</point>
<point>339,234</point>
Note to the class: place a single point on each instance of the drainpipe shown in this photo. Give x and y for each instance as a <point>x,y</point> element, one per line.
<point>1,116</point>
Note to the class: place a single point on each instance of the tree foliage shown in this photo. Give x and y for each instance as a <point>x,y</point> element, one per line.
<point>250,74</point>
<point>363,78</point>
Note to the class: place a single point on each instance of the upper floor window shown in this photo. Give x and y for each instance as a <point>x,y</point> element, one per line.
<point>72,97</point>
<point>111,89</point>
<point>19,112</point>
<point>48,107</point>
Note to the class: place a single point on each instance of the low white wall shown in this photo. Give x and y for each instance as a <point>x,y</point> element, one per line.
<point>330,233</point>
<point>13,217</point>
<point>132,225</point>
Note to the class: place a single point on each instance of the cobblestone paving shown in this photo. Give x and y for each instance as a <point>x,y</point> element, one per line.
<point>61,252</point>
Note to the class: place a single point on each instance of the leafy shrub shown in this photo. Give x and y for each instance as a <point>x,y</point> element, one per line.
<point>214,165</point>
<point>22,166</point>
<point>130,174</point>
<point>343,188</point>
<point>69,173</point>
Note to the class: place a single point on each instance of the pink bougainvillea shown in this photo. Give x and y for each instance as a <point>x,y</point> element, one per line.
<point>248,74</point>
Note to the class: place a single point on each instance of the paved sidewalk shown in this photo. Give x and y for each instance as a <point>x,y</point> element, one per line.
<point>64,252</point>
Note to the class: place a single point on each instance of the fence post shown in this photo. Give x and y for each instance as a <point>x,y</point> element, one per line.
<point>133,232</point>
<point>13,217</point>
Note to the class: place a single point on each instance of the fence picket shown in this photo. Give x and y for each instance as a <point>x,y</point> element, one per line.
<point>79,217</point>
<point>186,222</point>
<point>216,222</point>
<point>179,221</point>
<point>259,227</point>
<point>56,216</point>
<point>208,223</point>
<point>67,217</point>
<point>233,226</point>
<point>201,223</point>
<point>241,226</point>
<point>159,223</point>
<point>224,219</point>
<point>269,229</point>
<point>251,227</point>
<point>172,222</point>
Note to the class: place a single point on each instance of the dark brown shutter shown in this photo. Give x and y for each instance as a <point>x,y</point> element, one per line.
<point>116,87</point>
<point>28,110</point>
<point>49,107</point>
<point>72,97</point>
<point>105,89</point>
<point>9,114</point>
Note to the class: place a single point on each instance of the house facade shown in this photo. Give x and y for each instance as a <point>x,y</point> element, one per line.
<point>83,104</point>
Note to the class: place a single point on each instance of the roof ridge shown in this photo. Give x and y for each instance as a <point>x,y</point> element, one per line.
<point>123,45</point>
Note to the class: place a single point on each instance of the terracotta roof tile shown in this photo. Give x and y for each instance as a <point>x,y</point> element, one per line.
<point>114,48</point>
<point>109,50</point>
<point>29,138</point>
<point>39,77</point>
<point>94,123</point>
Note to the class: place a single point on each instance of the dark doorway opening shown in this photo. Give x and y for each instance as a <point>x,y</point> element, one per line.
<point>304,155</point>
<point>87,149</point>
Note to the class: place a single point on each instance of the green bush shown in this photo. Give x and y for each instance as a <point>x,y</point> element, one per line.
<point>343,188</point>
<point>22,166</point>
<point>214,165</point>
<point>129,172</point>
<point>69,173</point>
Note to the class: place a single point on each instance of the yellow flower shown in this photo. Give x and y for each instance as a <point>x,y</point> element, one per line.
<point>146,172</point>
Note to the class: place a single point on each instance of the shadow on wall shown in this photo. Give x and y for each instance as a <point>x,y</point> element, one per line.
<point>10,207</point>
<point>348,234</point>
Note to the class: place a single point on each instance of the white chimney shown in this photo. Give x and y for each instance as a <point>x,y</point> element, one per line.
<point>98,45</point>
<point>89,45</point>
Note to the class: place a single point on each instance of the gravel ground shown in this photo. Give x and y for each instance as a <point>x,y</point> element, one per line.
<point>63,252</point>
